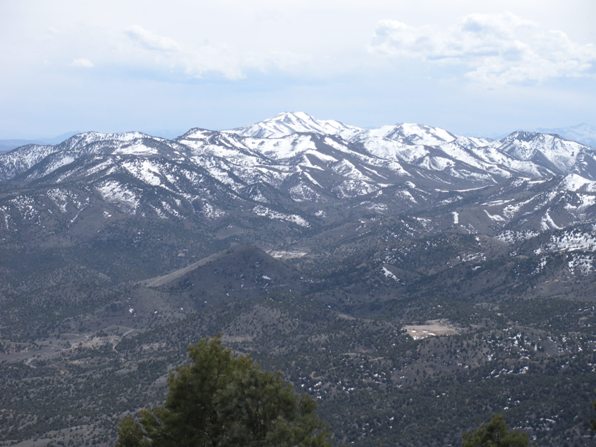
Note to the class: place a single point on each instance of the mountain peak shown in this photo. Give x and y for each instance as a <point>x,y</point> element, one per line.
<point>522,135</point>
<point>414,133</point>
<point>582,133</point>
<point>93,136</point>
<point>198,133</point>
<point>549,149</point>
<point>288,123</point>
<point>293,116</point>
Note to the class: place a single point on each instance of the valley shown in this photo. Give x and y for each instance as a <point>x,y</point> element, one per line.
<point>413,281</point>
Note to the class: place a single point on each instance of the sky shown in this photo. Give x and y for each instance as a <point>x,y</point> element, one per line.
<point>474,67</point>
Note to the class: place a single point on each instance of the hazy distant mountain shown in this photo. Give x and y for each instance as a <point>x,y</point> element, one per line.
<point>583,133</point>
<point>9,144</point>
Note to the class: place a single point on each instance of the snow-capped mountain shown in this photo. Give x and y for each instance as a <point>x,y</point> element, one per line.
<point>547,150</point>
<point>411,134</point>
<point>296,170</point>
<point>289,123</point>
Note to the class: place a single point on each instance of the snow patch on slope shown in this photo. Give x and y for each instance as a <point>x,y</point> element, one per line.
<point>575,182</point>
<point>570,241</point>
<point>115,192</point>
<point>389,274</point>
<point>263,211</point>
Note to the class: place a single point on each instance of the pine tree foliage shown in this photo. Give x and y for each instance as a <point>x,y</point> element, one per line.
<point>220,399</point>
<point>495,434</point>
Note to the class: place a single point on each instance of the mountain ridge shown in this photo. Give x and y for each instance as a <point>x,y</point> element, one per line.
<point>292,175</point>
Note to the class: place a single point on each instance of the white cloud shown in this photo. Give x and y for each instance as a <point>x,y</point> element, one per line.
<point>152,41</point>
<point>494,49</point>
<point>158,52</point>
<point>82,62</point>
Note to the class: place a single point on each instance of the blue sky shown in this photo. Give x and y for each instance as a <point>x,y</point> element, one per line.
<point>477,68</point>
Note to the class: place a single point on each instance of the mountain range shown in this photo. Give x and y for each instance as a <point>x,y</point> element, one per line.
<point>381,270</point>
<point>292,167</point>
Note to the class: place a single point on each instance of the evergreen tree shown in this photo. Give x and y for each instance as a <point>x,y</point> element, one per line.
<point>495,434</point>
<point>220,399</point>
<point>130,434</point>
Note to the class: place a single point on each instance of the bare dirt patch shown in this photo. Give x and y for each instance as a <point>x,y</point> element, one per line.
<point>431,328</point>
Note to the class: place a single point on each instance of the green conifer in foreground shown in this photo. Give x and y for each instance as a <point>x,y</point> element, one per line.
<point>220,399</point>
<point>495,434</point>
